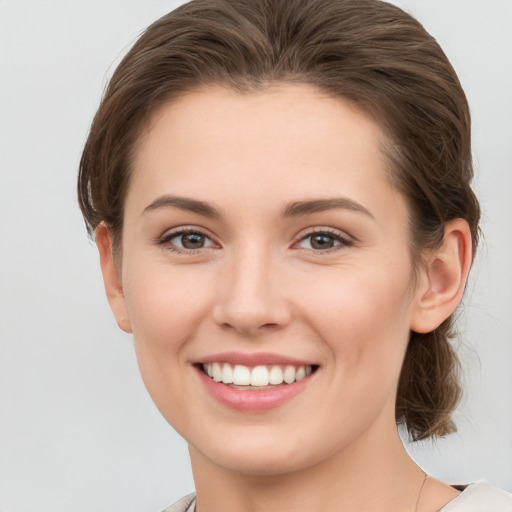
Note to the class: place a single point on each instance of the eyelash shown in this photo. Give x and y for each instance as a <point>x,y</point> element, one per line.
<point>342,240</point>
<point>165,240</point>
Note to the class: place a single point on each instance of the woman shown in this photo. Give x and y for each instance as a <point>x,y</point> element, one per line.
<point>280,194</point>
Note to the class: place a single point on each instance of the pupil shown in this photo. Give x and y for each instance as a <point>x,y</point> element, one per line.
<point>322,242</point>
<point>192,241</point>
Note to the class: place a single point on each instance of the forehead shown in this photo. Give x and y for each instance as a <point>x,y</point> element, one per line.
<point>277,115</point>
<point>284,141</point>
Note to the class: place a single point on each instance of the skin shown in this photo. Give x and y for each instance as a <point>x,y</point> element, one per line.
<point>258,285</point>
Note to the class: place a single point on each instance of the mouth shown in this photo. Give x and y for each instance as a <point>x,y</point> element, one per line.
<point>254,383</point>
<point>255,378</point>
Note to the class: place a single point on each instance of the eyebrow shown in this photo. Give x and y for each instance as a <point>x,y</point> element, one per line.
<point>320,205</point>
<point>295,209</point>
<point>184,203</point>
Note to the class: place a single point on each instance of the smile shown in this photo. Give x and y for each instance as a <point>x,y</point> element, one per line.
<point>261,376</point>
<point>254,383</point>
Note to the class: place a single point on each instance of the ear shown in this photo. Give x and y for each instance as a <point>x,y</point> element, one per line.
<point>111,277</point>
<point>443,279</point>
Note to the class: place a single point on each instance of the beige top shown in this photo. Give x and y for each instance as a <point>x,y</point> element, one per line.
<point>477,497</point>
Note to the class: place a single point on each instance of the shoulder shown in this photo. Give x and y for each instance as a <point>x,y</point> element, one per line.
<point>186,504</point>
<point>477,497</point>
<point>480,497</point>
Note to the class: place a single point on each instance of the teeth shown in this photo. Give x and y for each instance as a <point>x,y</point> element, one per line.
<point>217,372</point>
<point>227,374</point>
<point>258,376</point>
<point>275,376</point>
<point>301,373</point>
<point>241,375</point>
<point>289,374</point>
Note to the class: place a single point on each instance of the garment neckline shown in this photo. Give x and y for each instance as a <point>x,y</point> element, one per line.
<point>467,491</point>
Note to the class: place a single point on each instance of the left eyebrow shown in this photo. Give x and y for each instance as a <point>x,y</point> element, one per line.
<point>320,205</point>
<point>184,203</point>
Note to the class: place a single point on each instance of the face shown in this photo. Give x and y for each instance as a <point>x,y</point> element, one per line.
<point>262,241</point>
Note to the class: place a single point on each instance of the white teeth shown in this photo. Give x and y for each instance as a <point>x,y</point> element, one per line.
<point>289,374</point>
<point>217,372</point>
<point>275,376</point>
<point>258,376</point>
<point>227,374</point>
<point>301,373</point>
<point>241,375</point>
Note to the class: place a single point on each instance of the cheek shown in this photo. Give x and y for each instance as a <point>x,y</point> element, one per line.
<point>364,321</point>
<point>165,308</point>
<point>164,304</point>
<point>363,313</point>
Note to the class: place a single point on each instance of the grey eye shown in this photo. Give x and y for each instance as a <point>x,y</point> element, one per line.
<point>192,240</point>
<point>322,241</point>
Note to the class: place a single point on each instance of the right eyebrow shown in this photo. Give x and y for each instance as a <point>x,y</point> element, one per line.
<point>183,203</point>
<point>320,205</point>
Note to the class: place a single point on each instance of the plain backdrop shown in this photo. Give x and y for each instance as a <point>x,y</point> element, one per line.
<point>78,431</point>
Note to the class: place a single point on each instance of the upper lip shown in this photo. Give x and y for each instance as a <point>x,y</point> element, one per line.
<point>255,359</point>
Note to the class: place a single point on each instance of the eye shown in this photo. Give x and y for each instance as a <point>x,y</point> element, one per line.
<point>323,241</point>
<point>186,240</point>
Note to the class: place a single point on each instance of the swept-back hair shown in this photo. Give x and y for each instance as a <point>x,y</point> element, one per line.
<point>365,51</point>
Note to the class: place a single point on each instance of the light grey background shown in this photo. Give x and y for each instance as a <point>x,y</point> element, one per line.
<point>77,428</point>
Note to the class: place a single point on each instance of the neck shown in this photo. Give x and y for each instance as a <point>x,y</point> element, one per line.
<point>370,474</point>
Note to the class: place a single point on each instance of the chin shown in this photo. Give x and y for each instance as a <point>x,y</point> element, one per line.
<point>263,455</point>
<point>260,464</point>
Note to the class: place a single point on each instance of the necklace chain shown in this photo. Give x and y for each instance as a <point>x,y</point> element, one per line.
<point>421,489</point>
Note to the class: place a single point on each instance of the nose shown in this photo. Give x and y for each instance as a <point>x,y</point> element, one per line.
<point>251,298</point>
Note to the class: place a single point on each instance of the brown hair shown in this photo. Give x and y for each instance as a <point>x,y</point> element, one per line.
<point>367,51</point>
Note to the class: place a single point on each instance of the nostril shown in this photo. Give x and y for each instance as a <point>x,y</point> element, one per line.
<point>249,328</point>
<point>269,326</point>
<point>248,310</point>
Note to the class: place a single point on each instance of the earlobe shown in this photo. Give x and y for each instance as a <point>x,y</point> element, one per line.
<point>444,278</point>
<point>111,278</point>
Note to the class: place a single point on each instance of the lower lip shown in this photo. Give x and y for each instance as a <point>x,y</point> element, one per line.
<point>253,400</point>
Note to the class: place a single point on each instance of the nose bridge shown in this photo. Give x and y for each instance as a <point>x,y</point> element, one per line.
<point>251,298</point>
